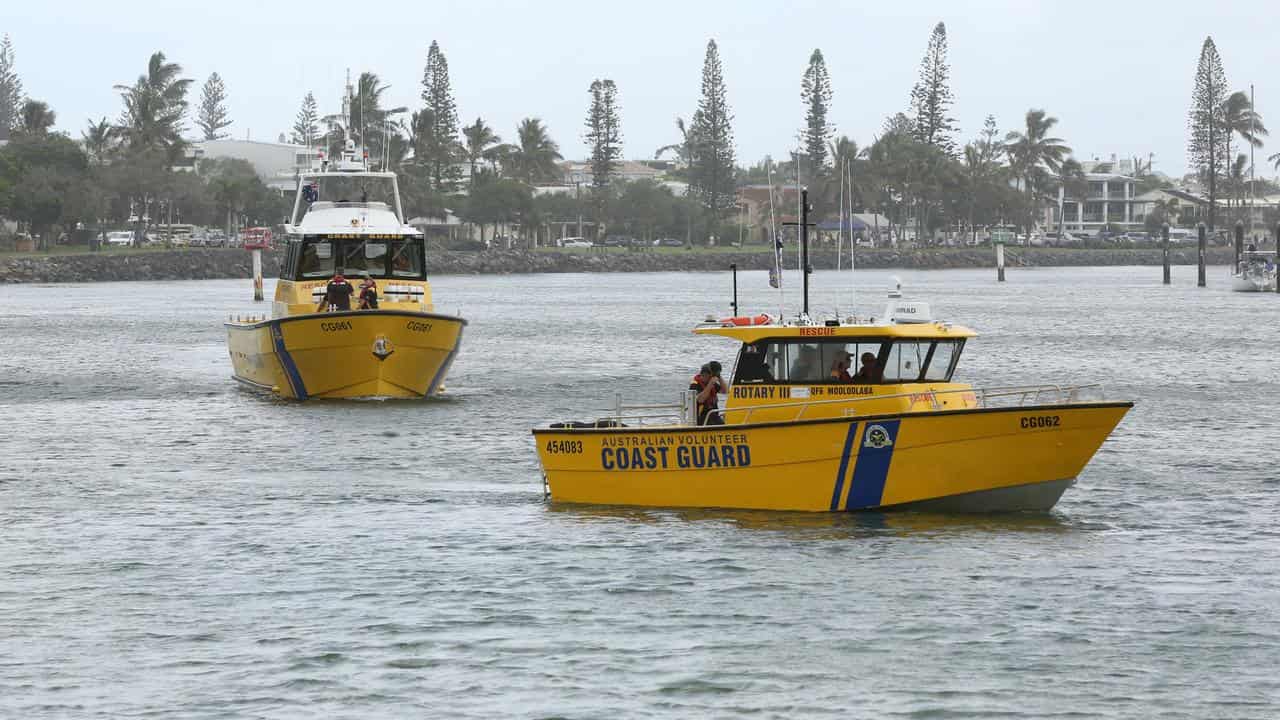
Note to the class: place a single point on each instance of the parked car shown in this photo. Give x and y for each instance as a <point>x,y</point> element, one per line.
<point>617,241</point>
<point>668,242</point>
<point>120,238</point>
<point>575,242</point>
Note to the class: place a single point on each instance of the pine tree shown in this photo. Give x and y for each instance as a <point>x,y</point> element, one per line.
<point>11,97</point>
<point>306,128</point>
<point>212,117</point>
<point>439,142</point>
<point>931,97</point>
<point>603,135</point>
<point>815,91</point>
<point>1206,149</point>
<point>713,166</point>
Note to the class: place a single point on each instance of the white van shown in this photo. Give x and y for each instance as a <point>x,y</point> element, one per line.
<point>120,238</point>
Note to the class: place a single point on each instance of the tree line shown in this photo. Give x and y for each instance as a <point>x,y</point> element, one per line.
<point>916,171</point>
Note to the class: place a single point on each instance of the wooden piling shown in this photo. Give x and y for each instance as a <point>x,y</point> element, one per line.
<point>999,262</point>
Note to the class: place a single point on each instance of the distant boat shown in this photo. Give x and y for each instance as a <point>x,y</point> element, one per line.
<point>895,290</point>
<point>1256,272</point>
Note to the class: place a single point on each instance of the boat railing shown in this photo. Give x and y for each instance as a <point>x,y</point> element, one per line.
<point>994,397</point>
<point>683,412</point>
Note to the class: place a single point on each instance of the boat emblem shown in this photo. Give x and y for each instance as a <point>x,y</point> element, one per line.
<point>382,348</point>
<point>355,222</point>
<point>877,437</point>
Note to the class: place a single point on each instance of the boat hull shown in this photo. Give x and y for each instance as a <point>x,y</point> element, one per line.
<point>1242,283</point>
<point>976,460</point>
<point>355,354</point>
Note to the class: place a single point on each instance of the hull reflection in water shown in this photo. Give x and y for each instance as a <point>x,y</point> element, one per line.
<point>372,353</point>
<point>982,460</point>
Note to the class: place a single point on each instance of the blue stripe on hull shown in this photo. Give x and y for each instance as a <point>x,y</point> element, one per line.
<point>444,366</point>
<point>871,466</point>
<point>844,465</point>
<point>286,360</point>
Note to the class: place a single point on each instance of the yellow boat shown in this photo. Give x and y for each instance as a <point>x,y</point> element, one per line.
<point>402,349</point>
<point>799,434</point>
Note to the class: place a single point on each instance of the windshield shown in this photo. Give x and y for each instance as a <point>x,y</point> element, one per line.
<point>321,257</point>
<point>864,361</point>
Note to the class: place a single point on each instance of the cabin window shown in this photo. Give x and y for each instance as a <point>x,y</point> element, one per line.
<point>943,361</point>
<point>804,363</point>
<point>317,259</point>
<point>365,256</point>
<point>406,259</point>
<point>906,359</point>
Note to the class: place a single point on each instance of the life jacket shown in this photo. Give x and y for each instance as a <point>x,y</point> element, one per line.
<point>697,385</point>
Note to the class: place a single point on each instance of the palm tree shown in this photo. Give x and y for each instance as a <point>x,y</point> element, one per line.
<point>1275,159</point>
<point>36,118</point>
<point>99,140</point>
<point>482,144</point>
<point>685,150</point>
<point>1239,118</point>
<point>1035,156</point>
<point>1072,180</point>
<point>154,107</point>
<point>535,155</point>
<point>1237,180</point>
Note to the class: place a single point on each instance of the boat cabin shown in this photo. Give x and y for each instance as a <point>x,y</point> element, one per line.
<point>838,369</point>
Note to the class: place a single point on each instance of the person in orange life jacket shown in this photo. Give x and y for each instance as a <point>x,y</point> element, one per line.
<point>840,367</point>
<point>368,293</point>
<point>337,294</point>
<point>708,385</point>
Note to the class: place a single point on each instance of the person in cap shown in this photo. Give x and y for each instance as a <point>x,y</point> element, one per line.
<point>368,292</point>
<point>337,294</point>
<point>840,367</point>
<point>708,385</point>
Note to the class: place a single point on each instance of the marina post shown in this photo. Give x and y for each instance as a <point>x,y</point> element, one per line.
<point>999,262</point>
<point>257,275</point>
<point>1164,250</point>
<point>1201,232</point>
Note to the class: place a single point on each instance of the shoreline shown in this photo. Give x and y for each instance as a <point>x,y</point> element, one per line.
<point>234,263</point>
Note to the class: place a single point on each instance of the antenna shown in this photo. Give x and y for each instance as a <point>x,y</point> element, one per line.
<point>840,232</point>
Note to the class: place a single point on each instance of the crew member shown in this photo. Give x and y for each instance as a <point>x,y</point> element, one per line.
<point>840,367</point>
<point>708,385</point>
<point>869,372</point>
<point>337,295</point>
<point>368,293</point>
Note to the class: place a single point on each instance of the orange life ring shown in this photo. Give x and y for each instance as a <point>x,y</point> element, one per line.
<point>743,320</point>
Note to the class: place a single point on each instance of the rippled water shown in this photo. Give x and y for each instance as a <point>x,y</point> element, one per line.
<point>175,547</point>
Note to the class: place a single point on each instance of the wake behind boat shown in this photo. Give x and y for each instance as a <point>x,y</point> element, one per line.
<point>347,226</point>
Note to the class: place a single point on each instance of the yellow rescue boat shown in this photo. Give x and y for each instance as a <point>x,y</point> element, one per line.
<point>309,349</point>
<point>802,431</point>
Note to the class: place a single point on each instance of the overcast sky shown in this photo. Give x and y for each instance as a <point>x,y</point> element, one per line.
<point>1117,74</point>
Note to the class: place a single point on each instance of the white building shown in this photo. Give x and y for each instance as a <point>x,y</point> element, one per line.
<point>277,164</point>
<point>1112,199</point>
